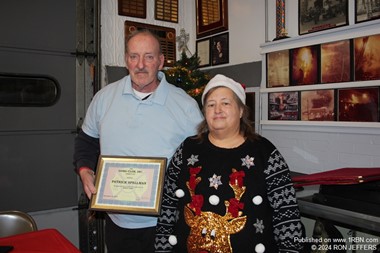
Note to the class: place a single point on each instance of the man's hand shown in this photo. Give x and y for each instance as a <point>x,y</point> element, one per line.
<point>88,178</point>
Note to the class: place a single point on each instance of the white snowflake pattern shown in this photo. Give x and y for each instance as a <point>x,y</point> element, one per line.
<point>248,161</point>
<point>259,226</point>
<point>192,160</point>
<point>215,181</point>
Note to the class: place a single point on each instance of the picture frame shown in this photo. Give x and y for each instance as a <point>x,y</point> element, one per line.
<point>136,9</point>
<point>212,17</point>
<point>366,11</point>
<point>203,49</point>
<point>358,104</point>
<point>278,69</point>
<point>304,62</point>
<point>336,62</point>
<point>283,105</point>
<point>220,49</point>
<point>318,15</point>
<point>318,105</point>
<point>367,58</point>
<point>129,184</point>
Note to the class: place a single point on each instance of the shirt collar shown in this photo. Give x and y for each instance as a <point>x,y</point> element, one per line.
<point>158,96</point>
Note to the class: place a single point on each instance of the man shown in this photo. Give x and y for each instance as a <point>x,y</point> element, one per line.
<point>139,115</point>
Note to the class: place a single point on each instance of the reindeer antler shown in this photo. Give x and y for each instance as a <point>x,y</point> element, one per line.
<point>196,200</point>
<point>233,205</point>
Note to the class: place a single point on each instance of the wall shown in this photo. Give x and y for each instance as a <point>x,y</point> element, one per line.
<point>246,33</point>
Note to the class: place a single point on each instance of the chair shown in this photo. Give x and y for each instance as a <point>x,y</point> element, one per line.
<point>16,222</point>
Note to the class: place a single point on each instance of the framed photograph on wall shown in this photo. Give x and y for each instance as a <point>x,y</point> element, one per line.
<point>317,15</point>
<point>336,62</point>
<point>204,52</point>
<point>283,106</point>
<point>212,17</point>
<point>366,10</point>
<point>318,105</point>
<point>304,65</point>
<point>220,49</point>
<point>367,58</point>
<point>358,104</point>
<point>278,69</point>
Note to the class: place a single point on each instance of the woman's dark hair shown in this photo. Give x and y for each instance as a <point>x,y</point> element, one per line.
<point>246,125</point>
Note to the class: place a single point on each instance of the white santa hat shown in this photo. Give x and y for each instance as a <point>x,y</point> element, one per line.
<point>221,80</point>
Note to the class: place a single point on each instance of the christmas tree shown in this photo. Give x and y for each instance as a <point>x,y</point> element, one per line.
<point>186,75</point>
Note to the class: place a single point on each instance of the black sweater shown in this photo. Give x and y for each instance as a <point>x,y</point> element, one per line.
<point>274,223</point>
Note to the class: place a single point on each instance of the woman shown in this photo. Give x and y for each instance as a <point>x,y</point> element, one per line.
<point>229,187</point>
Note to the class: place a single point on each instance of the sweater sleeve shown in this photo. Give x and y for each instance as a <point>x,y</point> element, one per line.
<point>167,218</point>
<point>287,226</point>
<point>86,151</point>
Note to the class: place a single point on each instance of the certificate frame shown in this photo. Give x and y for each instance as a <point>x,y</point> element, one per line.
<point>203,52</point>
<point>128,184</point>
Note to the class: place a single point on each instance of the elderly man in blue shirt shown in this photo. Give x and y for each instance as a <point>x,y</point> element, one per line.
<point>139,115</point>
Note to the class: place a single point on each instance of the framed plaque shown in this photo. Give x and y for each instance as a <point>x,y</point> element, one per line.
<point>212,17</point>
<point>203,52</point>
<point>129,184</point>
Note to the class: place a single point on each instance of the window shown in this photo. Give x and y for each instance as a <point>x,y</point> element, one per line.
<point>28,90</point>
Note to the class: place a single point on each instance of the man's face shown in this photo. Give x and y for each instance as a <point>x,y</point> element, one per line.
<point>144,60</point>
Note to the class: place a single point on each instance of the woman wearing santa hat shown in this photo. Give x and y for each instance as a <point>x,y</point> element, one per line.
<point>228,189</point>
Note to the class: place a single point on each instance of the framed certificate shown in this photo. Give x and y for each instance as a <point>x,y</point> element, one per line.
<point>203,52</point>
<point>129,184</point>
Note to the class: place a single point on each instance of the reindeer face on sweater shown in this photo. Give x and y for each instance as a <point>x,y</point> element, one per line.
<point>210,232</point>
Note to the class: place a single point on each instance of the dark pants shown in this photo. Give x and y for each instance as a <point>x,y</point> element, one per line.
<point>124,240</point>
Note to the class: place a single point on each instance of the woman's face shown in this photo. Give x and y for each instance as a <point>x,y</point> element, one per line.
<point>222,111</point>
<point>219,46</point>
